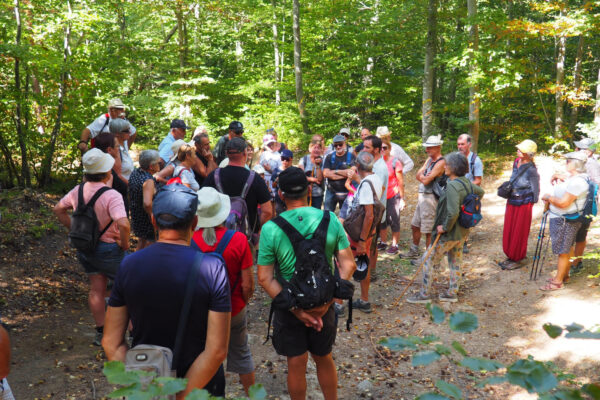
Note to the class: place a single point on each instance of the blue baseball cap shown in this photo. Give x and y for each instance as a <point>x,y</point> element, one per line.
<point>177,200</point>
<point>287,153</point>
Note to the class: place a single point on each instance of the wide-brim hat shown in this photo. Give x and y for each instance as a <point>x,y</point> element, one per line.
<point>116,103</point>
<point>175,148</point>
<point>362,267</point>
<point>345,132</point>
<point>576,155</point>
<point>95,161</point>
<point>433,141</point>
<point>584,143</point>
<point>527,146</point>
<point>213,208</point>
<point>382,131</point>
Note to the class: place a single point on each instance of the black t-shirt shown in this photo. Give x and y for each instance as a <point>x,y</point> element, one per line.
<point>233,180</point>
<point>199,177</point>
<point>121,187</point>
<point>333,162</point>
<point>152,284</point>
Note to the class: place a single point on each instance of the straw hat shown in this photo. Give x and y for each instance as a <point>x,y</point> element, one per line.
<point>95,161</point>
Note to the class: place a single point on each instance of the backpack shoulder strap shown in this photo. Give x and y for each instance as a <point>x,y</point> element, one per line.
<point>218,180</point>
<point>224,241</point>
<point>248,184</point>
<point>304,160</point>
<point>348,156</point>
<point>291,232</point>
<point>96,195</point>
<point>465,186</point>
<point>321,232</point>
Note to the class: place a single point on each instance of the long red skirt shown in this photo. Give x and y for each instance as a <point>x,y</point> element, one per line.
<point>517,223</point>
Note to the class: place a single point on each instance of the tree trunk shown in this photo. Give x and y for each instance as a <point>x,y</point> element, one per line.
<point>427,109</point>
<point>276,54</point>
<point>560,80</point>
<point>576,86</point>
<point>473,88</point>
<point>300,99</point>
<point>180,39</point>
<point>49,154</point>
<point>24,179</point>
<point>597,108</point>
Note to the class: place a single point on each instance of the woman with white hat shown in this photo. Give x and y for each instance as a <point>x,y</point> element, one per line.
<point>519,205</point>
<point>212,236</point>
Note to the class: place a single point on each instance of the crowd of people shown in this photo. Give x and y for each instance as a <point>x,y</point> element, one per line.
<point>184,199</point>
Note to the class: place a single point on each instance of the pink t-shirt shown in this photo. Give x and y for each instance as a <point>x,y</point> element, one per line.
<point>394,165</point>
<point>108,207</point>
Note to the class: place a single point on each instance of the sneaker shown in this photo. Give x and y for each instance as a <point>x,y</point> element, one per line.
<point>392,250</point>
<point>447,297</point>
<point>419,298</point>
<point>576,268</point>
<point>381,246</point>
<point>362,305</point>
<point>339,309</point>
<point>98,338</point>
<point>465,249</point>
<point>412,253</point>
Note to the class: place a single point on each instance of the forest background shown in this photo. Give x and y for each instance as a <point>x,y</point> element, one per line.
<point>502,70</point>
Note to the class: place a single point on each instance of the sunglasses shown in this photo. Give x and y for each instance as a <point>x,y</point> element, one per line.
<point>384,147</point>
<point>336,145</point>
<point>286,159</point>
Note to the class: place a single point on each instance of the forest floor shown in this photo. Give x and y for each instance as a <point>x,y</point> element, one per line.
<point>43,302</point>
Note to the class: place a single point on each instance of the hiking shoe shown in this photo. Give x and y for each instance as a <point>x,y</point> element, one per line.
<point>448,298</point>
<point>576,268</point>
<point>98,338</point>
<point>381,246</point>
<point>412,253</point>
<point>419,298</point>
<point>339,309</point>
<point>465,249</point>
<point>392,250</point>
<point>362,305</point>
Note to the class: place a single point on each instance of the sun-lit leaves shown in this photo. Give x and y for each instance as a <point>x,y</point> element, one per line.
<point>463,322</point>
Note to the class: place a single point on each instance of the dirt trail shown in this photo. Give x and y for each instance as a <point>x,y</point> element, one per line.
<point>44,302</point>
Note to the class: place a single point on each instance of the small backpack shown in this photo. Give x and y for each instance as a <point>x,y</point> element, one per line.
<point>590,208</point>
<point>470,208</point>
<point>238,215</point>
<point>313,283</point>
<point>177,179</point>
<point>85,229</point>
<point>93,140</point>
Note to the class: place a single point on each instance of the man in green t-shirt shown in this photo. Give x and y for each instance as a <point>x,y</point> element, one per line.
<point>297,332</point>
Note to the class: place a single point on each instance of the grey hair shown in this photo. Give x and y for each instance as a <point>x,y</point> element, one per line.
<point>457,163</point>
<point>365,161</point>
<point>579,165</point>
<point>209,236</point>
<point>467,136</point>
<point>118,125</point>
<point>147,158</point>
<point>199,137</point>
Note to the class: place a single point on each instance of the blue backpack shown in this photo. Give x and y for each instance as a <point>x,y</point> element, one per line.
<point>590,208</point>
<point>470,209</point>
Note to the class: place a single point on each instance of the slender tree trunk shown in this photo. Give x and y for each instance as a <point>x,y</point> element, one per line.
<point>49,154</point>
<point>576,85</point>
<point>276,54</point>
<point>180,39</point>
<point>597,108</point>
<point>300,99</point>
<point>24,178</point>
<point>560,80</point>
<point>428,73</point>
<point>474,104</point>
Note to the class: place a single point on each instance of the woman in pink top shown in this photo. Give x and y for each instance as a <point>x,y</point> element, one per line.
<point>104,262</point>
<point>395,199</point>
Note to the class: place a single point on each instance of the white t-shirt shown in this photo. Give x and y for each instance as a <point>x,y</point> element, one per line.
<point>126,161</point>
<point>576,185</point>
<point>364,194</point>
<point>187,177</point>
<point>399,153</point>
<point>100,122</point>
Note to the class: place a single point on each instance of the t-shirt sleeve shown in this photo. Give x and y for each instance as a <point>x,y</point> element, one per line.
<point>262,192</point>
<point>187,177</point>
<point>220,299</point>
<point>365,194</point>
<point>341,238</point>
<point>95,126</point>
<point>266,248</point>
<point>478,167</point>
<point>327,163</point>
<point>576,186</point>
<point>398,167</point>
<point>116,206</point>
<point>70,199</point>
<point>246,254</point>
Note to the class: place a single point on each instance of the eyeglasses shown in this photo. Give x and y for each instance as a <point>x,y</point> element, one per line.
<point>286,159</point>
<point>384,147</point>
<point>337,145</point>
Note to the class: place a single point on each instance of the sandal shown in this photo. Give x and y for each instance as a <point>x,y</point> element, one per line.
<point>551,285</point>
<point>511,265</point>
<point>565,281</point>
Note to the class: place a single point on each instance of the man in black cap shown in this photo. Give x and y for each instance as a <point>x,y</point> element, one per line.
<point>151,285</point>
<point>177,132</point>
<point>235,176</point>
<point>297,332</point>
<point>236,129</point>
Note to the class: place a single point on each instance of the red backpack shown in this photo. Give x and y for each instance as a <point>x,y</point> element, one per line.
<point>177,179</point>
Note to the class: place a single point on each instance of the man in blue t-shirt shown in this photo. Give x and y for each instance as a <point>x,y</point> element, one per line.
<point>336,168</point>
<point>150,287</point>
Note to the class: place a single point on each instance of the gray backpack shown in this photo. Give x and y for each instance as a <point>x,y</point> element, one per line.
<point>161,360</point>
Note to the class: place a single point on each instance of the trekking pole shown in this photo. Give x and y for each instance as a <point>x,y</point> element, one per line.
<point>538,246</point>
<point>541,266</point>
<point>427,254</point>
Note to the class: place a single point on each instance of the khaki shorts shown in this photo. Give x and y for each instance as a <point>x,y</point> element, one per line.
<point>425,212</point>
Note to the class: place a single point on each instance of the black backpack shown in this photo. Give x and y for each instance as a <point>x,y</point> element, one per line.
<point>85,229</point>
<point>313,283</point>
<point>470,208</point>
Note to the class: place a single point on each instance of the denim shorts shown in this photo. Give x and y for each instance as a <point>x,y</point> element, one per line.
<point>105,260</point>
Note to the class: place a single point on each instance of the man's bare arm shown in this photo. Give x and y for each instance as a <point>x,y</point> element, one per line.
<point>346,263</point>
<point>247,283</point>
<point>437,170</point>
<point>266,212</point>
<point>113,340</point>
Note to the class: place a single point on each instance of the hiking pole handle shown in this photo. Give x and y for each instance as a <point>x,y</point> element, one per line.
<point>431,248</point>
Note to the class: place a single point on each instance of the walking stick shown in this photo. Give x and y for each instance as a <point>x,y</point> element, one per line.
<point>545,252</point>
<point>435,242</point>
<point>538,247</point>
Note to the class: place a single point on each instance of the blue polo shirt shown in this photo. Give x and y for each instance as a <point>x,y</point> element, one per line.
<point>164,148</point>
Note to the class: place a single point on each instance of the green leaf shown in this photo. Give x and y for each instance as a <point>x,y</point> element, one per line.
<point>257,392</point>
<point>424,358</point>
<point>592,390</point>
<point>568,394</point>
<point>437,314</point>
<point>126,391</point>
<point>480,364</point>
<point>532,375</point>
<point>463,322</point>
<point>198,394</point>
<point>431,396</point>
<point>449,389</point>
<point>458,347</point>
<point>115,374</point>
<point>583,335</point>
<point>553,331</point>
<point>398,343</point>
<point>427,339</point>
<point>493,380</point>
<point>574,327</point>
<point>442,350</point>
<point>171,385</point>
